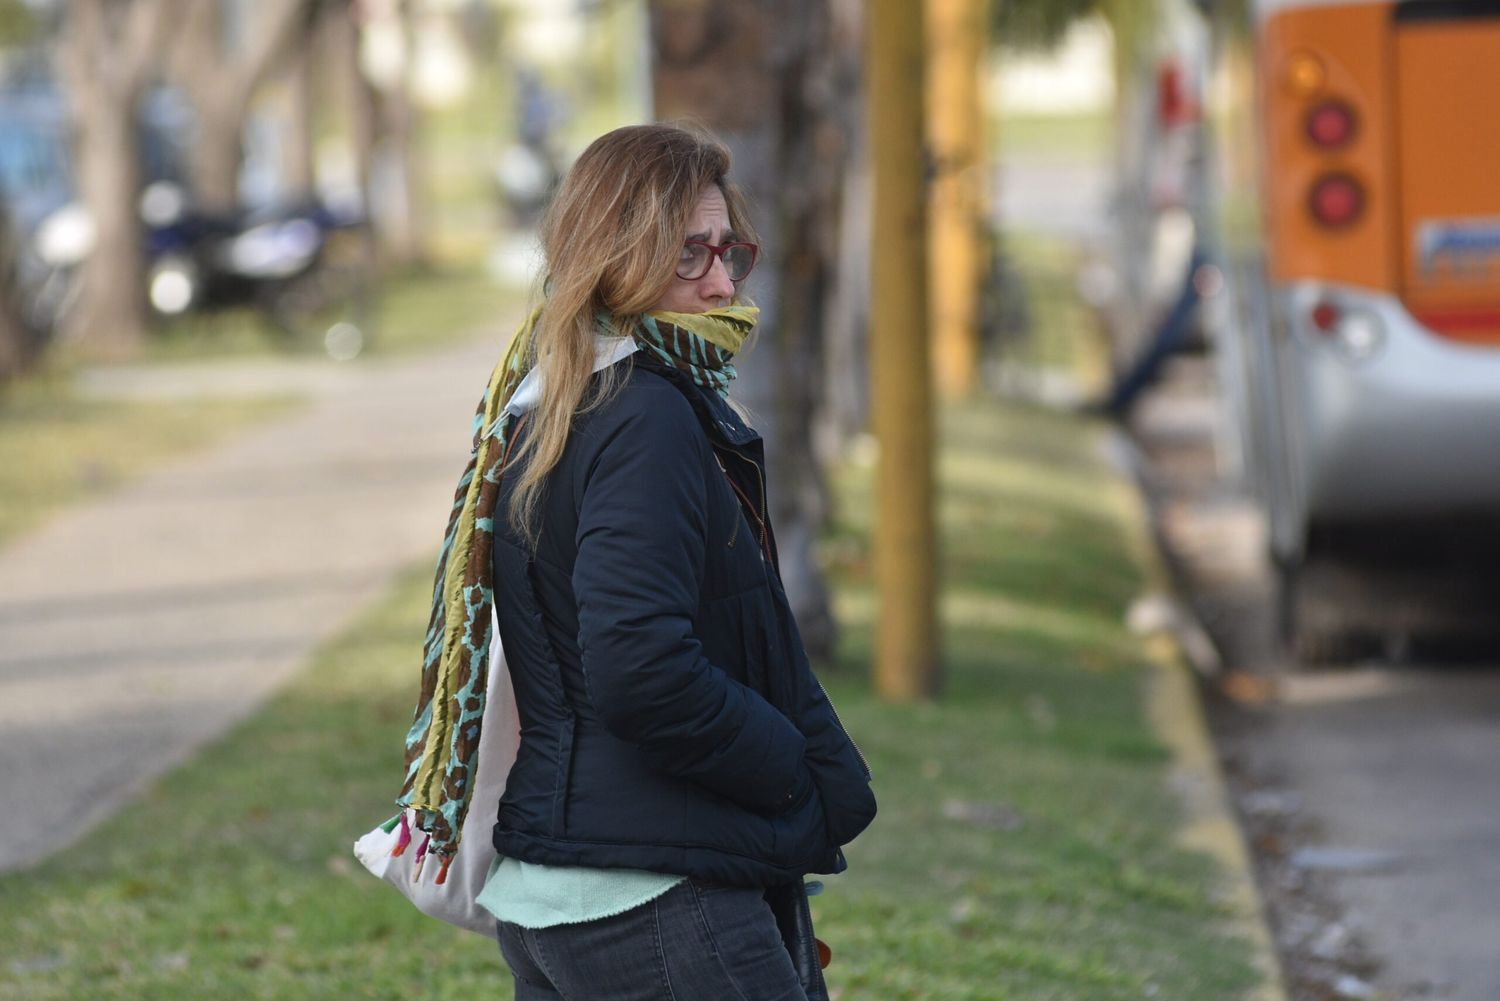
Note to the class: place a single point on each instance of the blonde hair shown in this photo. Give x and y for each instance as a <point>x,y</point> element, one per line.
<point>610,238</point>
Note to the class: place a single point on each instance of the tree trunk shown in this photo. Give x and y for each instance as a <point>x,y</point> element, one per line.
<point>406,238</point>
<point>111,313</point>
<point>905,544</point>
<point>214,163</point>
<point>847,381</point>
<point>298,163</point>
<point>220,76</point>
<point>956,34</point>
<point>357,97</point>
<point>15,345</point>
<point>756,73</point>
<point>12,339</point>
<point>106,53</point>
<point>199,67</point>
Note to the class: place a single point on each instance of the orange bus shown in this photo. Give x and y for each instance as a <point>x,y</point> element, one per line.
<point>1355,196</point>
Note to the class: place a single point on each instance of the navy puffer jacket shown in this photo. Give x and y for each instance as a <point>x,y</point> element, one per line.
<point>669,718</point>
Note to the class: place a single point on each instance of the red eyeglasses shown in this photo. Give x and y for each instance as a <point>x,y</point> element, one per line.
<point>698,256</point>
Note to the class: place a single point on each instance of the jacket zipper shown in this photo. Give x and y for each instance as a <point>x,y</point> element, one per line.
<point>765,536</point>
<point>766,549</point>
<point>834,709</point>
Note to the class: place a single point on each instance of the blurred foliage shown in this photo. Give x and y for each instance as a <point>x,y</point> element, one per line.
<point>1037,24</point>
<point>1061,338</point>
<point>1133,23</point>
<point>1230,17</point>
<point>1026,25</point>
<point>1080,136</point>
<point>18,23</point>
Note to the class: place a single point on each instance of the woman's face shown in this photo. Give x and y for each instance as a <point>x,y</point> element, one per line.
<point>709,222</point>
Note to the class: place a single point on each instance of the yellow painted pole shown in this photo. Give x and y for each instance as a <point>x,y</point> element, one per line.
<point>955,122</point>
<point>906,635</point>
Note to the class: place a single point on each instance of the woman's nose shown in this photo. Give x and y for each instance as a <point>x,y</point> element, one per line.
<point>716,284</point>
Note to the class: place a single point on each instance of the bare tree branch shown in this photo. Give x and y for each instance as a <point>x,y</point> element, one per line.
<point>220,80</point>
<point>198,39</point>
<point>79,59</point>
<point>146,32</point>
<point>280,23</point>
<point>107,55</point>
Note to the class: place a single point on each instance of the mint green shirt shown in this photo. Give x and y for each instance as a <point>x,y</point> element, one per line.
<point>540,896</point>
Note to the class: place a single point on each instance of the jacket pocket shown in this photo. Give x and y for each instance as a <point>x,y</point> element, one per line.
<point>848,803</point>
<point>838,768</point>
<point>564,780</point>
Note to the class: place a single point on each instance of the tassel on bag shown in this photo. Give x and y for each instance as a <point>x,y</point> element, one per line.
<point>421,857</point>
<point>404,839</point>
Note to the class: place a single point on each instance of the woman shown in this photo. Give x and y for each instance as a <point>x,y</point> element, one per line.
<point>677,757</point>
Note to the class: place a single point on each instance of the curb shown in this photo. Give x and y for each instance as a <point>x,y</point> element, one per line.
<point>1176,714</point>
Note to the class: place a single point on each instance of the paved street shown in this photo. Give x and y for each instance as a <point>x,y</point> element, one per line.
<point>1370,791</point>
<point>136,627</point>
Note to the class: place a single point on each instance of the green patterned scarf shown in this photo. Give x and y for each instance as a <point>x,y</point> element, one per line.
<point>442,745</point>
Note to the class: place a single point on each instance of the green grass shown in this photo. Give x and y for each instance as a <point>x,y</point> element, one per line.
<point>1040,721</point>
<point>425,311</point>
<point>232,878</point>
<point>1075,135</point>
<point>57,448</point>
<point>1059,333</point>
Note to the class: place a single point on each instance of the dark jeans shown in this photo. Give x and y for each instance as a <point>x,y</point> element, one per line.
<point>699,941</point>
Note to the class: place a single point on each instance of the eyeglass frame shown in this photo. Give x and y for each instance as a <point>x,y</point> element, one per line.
<point>718,251</point>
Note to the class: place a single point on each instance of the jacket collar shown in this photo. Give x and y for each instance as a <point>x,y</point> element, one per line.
<point>718,418</point>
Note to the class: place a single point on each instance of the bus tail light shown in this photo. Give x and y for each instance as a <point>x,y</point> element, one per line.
<point>1304,74</point>
<point>1336,200</point>
<point>1330,124</point>
<point>1354,333</point>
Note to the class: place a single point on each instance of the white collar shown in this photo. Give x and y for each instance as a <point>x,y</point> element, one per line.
<point>607,350</point>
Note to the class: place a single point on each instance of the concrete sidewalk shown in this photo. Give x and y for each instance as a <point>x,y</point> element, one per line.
<point>137,627</point>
